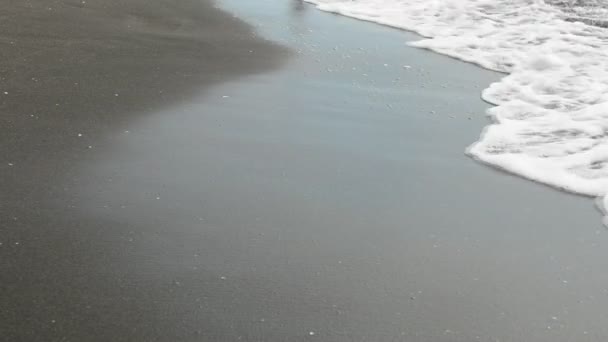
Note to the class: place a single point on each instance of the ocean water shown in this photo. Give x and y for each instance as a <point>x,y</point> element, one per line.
<point>593,12</point>
<point>550,122</point>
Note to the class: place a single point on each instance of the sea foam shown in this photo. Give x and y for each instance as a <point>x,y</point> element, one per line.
<point>550,123</point>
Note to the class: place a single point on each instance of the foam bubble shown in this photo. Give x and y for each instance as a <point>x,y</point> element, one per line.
<point>551,115</point>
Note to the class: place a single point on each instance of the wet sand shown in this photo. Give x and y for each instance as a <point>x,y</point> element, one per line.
<point>73,75</point>
<point>325,199</point>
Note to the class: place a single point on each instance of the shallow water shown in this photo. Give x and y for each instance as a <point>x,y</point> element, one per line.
<point>593,12</point>
<point>549,122</point>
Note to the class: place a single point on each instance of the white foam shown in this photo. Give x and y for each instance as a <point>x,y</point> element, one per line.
<point>551,115</point>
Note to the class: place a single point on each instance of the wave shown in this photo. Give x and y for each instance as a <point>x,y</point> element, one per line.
<point>550,123</point>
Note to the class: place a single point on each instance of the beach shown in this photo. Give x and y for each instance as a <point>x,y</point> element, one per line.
<point>268,172</point>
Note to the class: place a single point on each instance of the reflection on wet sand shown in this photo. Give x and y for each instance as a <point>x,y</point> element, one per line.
<point>298,6</point>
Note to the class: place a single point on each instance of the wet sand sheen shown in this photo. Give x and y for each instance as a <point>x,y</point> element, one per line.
<point>327,200</point>
<point>73,75</point>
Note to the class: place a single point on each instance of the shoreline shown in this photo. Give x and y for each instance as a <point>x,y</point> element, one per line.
<point>328,199</point>
<point>518,139</point>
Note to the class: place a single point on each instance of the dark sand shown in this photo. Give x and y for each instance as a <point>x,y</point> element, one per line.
<point>73,74</point>
<point>326,200</point>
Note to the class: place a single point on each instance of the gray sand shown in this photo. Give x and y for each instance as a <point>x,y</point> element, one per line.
<point>327,200</point>
<point>73,67</point>
<point>73,74</point>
